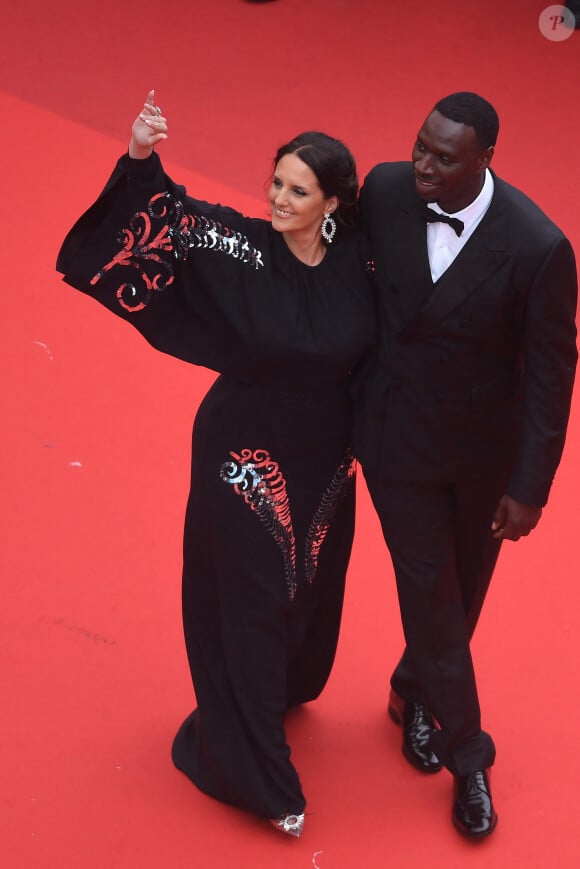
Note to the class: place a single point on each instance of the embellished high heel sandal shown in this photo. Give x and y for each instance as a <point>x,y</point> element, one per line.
<point>290,824</point>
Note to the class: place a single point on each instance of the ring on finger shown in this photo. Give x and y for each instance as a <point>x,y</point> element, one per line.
<point>157,110</point>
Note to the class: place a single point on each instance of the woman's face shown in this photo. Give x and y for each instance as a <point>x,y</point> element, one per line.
<point>296,199</point>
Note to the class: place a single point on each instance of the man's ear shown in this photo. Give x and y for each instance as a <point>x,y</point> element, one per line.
<point>486,157</point>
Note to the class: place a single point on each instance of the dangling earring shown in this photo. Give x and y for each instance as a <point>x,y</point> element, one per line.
<point>328,228</point>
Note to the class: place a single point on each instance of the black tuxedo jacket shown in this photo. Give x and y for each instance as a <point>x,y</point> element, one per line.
<point>475,372</point>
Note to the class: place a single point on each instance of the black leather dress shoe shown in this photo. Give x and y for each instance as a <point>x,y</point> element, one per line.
<point>418,726</point>
<point>473,812</point>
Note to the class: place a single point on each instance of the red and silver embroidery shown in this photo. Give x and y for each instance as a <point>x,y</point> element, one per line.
<point>258,479</point>
<point>164,232</point>
<point>326,512</point>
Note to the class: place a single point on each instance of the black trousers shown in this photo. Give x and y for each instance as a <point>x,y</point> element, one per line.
<point>439,538</point>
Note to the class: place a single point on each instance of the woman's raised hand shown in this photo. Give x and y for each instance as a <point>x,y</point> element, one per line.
<point>149,128</point>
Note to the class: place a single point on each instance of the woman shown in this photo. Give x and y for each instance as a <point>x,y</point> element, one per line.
<point>284,316</point>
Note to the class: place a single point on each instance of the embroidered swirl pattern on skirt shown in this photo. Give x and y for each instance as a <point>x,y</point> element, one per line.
<point>259,481</point>
<point>164,232</point>
<point>325,513</point>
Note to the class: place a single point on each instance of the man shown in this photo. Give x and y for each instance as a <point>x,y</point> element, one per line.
<point>461,422</point>
<point>574,7</point>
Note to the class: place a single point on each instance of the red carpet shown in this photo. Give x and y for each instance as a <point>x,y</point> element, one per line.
<point>96,430</point>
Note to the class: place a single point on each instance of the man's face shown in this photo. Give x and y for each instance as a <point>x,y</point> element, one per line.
<point>449,163</point>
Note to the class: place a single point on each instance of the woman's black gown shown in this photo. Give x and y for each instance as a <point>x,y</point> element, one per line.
<point>270,516</point>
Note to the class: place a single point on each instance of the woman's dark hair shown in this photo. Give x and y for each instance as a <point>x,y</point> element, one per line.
<point>334,167</point>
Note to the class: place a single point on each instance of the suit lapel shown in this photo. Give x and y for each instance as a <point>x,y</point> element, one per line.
<point>483,254</point>
<point>404,236</point>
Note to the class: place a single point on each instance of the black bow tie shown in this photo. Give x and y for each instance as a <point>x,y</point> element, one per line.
<point>435,217</point>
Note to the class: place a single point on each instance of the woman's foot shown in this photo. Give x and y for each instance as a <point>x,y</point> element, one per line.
<point>290,824</point>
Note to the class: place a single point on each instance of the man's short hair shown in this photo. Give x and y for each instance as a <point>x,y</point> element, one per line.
<point>468,108</point>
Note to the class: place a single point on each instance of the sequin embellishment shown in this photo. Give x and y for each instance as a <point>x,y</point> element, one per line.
<point>160,234</point>
<point>325,513</point>
<point>257,478</point>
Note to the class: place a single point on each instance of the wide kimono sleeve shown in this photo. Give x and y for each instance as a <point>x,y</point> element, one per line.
<point>180,270</point>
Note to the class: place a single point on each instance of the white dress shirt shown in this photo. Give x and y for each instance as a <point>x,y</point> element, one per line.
<point>443,245</point>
